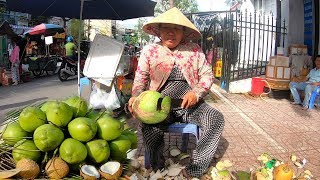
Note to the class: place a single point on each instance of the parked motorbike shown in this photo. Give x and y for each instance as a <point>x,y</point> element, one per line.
<point>69,67</point>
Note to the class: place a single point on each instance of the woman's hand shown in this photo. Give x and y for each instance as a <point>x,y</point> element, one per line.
<point>189,100</point>
<point>130,102</point>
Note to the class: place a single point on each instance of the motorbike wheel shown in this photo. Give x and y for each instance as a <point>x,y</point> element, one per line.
<point>50,73</point>
<point>62,76</point>
<point>37,73</point>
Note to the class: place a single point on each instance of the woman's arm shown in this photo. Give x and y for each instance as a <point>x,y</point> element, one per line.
<point>142,75</point>
<point>205,75</point>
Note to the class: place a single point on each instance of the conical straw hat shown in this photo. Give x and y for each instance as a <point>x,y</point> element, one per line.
<point>172,16</point>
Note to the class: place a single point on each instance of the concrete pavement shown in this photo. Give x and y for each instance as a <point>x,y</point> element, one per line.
<point>37,90</point>
<point>255,125</point>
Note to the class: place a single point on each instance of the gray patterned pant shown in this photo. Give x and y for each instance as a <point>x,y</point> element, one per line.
<point>15,72</point>
<point>211,122</point>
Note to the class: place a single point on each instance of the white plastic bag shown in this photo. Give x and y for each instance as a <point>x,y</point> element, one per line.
<point>113,101</point>
<point>100,98</point>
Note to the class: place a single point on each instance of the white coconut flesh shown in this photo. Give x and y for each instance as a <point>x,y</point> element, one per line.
<point>90,171</point>
<point>110,167</point>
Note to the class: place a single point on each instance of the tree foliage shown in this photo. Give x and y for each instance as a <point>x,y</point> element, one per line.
<point>185,6</point>
<point>142,36</point>
<point>75,28</point>
<point>232,2</point>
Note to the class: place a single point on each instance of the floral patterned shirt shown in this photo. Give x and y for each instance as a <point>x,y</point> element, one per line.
<point>156,63</point>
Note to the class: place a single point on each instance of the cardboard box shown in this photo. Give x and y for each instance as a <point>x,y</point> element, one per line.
<point>6,78</point>
<point>279,61</point>
<point>298,49</point>
<point>278,72</point>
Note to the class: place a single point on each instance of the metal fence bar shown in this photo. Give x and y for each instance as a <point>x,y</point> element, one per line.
<point>246,41</point>
<point>250,60</point>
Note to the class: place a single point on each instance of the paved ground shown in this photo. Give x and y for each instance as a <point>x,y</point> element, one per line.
<point>39,89</point>
<point>253,125</point>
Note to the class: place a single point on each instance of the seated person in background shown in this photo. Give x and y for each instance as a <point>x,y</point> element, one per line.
<point>70,48</point>
<point>313,80</point>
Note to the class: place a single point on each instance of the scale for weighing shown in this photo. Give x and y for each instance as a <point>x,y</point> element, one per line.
<point>106,60</point>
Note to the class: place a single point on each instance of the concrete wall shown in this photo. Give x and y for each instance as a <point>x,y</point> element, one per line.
<point>293,13</point>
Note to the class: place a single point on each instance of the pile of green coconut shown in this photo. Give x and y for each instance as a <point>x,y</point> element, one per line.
<point>63,137</point>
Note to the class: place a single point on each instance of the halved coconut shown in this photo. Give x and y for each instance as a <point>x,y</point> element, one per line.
<point>89,172</point>
<point>9,173</point>
<point>29,168</point>
<point>111,170</point>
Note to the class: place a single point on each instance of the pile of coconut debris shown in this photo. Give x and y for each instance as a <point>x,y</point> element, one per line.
<point>172,171</point>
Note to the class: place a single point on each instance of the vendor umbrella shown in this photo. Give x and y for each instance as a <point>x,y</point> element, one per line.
<point>92,9</point>
<point>45,29</point>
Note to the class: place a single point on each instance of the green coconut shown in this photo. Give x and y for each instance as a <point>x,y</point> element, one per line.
<point>26,149</point>
<point>72,151</point>
<point>59,113</point>
<point>78,105</point>
<point>46,105</point>
<point>82,129</point>
<point>14,133</point>
<point>31,118</point>
<point>48,137</point>
<point>109,128</point>
<point>119,148</point>
<point>133,137</point>
<point>151,107</point>
<point>98,150</point>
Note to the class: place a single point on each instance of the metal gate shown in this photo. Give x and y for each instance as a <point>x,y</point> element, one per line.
<point>244,41</point>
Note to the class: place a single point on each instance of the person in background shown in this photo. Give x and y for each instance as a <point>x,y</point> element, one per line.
<point>70,48</point>
<point>177,68</point>
<point>313,80</point>
<point>15,62</point>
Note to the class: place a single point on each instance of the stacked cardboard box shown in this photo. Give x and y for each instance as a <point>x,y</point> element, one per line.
<point>6,77</point>
<point>278,72</point>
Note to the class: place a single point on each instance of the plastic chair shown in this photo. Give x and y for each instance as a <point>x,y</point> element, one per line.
<point>315,93</point>
<point>84,81</point>
<point>185,129</point>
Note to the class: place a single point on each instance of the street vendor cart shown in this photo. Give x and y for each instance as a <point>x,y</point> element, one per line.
<point>39,56</point>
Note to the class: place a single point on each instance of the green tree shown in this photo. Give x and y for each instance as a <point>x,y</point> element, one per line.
<point>232,2</point>
<point>141,35</point>
<point>185,6</point>
<point>75,28</point>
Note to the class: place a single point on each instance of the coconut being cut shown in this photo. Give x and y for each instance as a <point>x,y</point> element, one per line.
<point>89,172</point>
<point>151,107</point>
<point>111,170</point>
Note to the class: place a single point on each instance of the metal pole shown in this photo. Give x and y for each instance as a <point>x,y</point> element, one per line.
<point>79,39</point>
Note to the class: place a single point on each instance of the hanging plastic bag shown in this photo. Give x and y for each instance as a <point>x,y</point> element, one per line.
<point>112,102</point>
<point>102,99</point>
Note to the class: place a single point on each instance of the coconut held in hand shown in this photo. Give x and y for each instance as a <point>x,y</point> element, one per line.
<point>151,107</point>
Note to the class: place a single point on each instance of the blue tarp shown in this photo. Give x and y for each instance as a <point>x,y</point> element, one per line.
<point>92,9</point>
